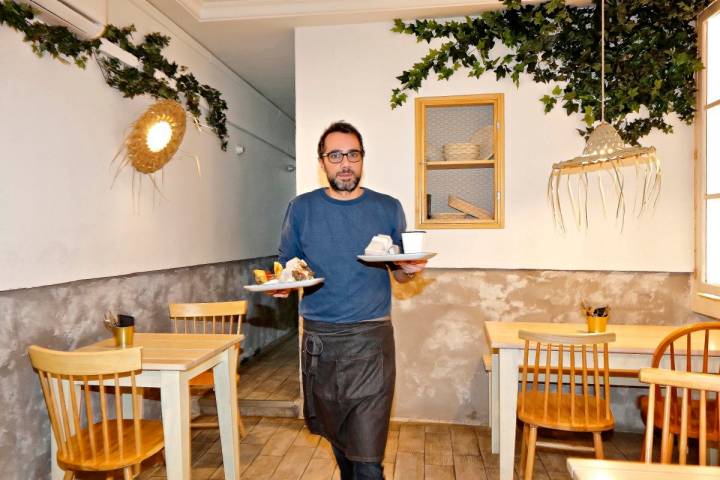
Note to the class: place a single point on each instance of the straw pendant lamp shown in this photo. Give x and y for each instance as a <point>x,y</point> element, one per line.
<point>604,152</point>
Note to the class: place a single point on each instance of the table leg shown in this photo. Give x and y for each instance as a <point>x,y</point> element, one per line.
<point>494,404</point>
<point>175,404</point>
<point>509,360</point>
<point>227,410</point>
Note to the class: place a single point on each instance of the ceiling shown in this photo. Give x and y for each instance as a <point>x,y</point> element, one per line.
<point>255,38</point>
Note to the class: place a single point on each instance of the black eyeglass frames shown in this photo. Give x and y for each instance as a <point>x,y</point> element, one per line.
<point>336,156</point>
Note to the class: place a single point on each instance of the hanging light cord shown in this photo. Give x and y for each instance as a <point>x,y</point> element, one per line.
<point>602,61</point>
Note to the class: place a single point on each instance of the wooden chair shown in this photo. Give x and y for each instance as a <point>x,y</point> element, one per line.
<point>675,353</point>
<point>687,382</point>
<point>87,436</point>
<point>208,318</point>
<point>565,392</point>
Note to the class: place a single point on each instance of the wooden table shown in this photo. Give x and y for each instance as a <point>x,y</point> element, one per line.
<point>632,350</point>
<point>169,361</point>
<point>589,469</point>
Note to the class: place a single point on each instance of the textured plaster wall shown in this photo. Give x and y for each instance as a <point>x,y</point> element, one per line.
<point>70,315</point>
<point>440,338</point>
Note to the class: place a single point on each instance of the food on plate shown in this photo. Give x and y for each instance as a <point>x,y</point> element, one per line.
<point>295,270</point>
<point>381,245</point>
<point>299,270</point>
<point>262,276</point>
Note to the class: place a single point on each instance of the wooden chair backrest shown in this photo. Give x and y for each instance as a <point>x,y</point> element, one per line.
<point>217,317</point>
<point>588,369</point>
<point>686,349</point>
<point>685,382</point>
<point>65,382</point>
<point>678,348</point>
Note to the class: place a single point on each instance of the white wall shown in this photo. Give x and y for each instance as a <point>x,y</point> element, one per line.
<point>347,72</point>
<point>60,128</point>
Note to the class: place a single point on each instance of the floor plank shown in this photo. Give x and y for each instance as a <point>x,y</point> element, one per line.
<point>412,438</point>
<point>293,463</point>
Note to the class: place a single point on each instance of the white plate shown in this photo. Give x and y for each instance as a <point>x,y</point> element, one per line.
<point>269,287</point>
<point>397,257</point>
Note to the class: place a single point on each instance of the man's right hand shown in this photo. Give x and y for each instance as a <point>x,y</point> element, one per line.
<point>279,293</point>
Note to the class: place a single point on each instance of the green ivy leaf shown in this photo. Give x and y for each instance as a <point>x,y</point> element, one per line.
<point>549,102</point>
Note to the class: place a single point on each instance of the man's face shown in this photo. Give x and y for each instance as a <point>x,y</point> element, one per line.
<point>344,176</point>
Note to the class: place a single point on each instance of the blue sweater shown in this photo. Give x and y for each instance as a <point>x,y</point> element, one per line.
<point>329,234</point>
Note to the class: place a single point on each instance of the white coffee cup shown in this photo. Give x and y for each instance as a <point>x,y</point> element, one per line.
<point>413,241</point>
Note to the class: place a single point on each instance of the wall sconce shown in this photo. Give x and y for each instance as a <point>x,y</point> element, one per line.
<point>156,136</point>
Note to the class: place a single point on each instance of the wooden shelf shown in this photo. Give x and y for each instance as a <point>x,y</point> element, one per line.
<point>459,220</point>
<point>460,164</point>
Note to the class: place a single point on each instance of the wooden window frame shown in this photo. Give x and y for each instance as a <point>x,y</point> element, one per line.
<point>497,100</point>
<point>705,296</point>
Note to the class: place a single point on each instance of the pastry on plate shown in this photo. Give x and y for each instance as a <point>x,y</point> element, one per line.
<point>381,245</point>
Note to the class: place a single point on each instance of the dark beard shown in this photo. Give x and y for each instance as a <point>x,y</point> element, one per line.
<point>344,185</point>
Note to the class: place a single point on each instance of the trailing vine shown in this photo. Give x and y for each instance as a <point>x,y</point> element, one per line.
<point>62,44</point>
<point>650,57</point>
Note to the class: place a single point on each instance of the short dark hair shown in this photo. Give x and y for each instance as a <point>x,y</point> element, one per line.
<point>342,127</point>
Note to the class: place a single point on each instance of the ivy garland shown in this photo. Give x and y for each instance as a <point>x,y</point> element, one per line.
<point>650,57</point>
<point>62,44</point>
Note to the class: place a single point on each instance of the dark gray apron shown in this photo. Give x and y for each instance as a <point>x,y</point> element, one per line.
<point>348,385</point>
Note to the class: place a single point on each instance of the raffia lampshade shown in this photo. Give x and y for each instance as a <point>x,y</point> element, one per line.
<point>604,145</point>
<point>142,158</point>
<point>604,151</point>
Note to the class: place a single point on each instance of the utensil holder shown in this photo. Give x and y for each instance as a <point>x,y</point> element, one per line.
<point>596,324</point>
<point>123,336</point>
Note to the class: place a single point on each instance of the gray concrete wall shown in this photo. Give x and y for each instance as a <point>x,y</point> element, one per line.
<point>440,339</point>
<point>70,315</point>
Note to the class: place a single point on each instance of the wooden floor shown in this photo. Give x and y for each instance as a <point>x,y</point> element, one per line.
<point>273,375</point>
<point>269,384</point>
<point>282,448</point>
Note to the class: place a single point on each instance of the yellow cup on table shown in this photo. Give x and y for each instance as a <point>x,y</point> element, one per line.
<point>596,324</point>
<point>123,336</point>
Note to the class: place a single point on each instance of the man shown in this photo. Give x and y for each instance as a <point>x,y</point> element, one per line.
<point>348,358</point>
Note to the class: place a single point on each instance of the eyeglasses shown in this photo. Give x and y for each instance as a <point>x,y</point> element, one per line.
<point>336,156</point>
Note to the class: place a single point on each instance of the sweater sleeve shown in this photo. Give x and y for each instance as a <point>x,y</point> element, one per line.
<point>398,227</point>
<point>398,223</point>
<point>289,240</point>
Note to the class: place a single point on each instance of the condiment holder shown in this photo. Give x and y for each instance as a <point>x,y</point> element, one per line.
<point>597,317</point>
<point>123,328</point>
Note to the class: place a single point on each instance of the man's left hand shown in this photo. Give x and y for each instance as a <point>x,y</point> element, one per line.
<point>412,267</point>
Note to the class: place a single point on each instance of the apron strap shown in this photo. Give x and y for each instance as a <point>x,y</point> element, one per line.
<point>313,346</point>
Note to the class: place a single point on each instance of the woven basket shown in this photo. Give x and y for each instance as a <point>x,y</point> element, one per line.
<point>461,151</point>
